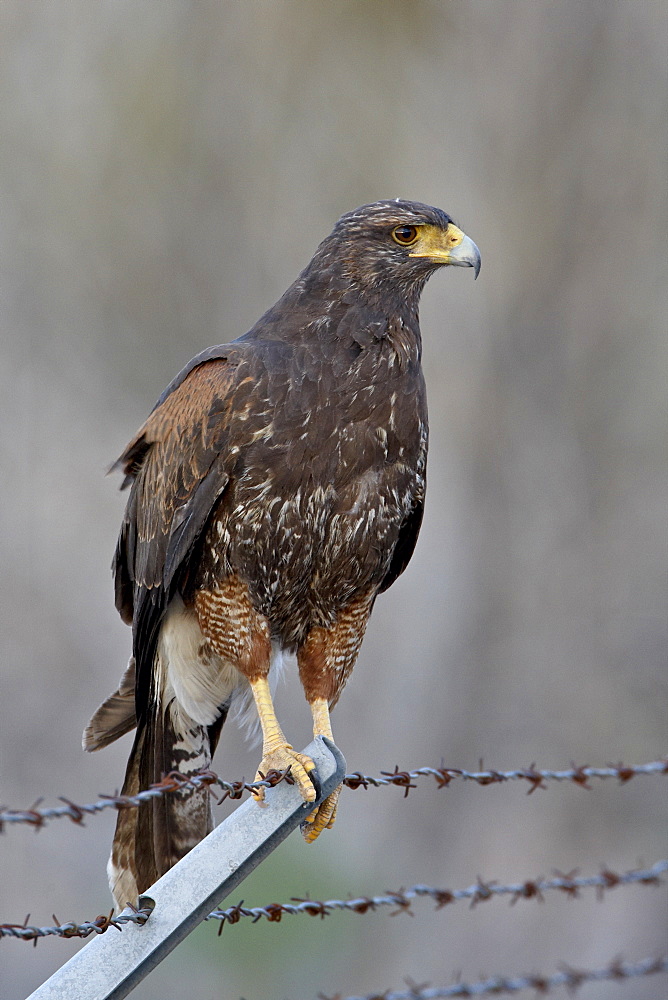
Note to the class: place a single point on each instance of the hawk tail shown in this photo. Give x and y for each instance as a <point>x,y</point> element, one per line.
<point>152,837</point>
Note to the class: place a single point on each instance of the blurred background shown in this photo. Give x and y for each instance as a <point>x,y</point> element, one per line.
<point>166,171</point>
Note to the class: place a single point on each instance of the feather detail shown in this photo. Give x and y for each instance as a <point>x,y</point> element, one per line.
<point>116,715</point>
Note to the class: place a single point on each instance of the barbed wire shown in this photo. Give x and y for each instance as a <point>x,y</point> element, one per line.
<point>577,775</point>
<point>572,979</point>
<point>70,929</point>
<point>570,884</point>
<point>174,782</point>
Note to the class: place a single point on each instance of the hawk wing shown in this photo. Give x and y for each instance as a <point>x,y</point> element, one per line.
<point>406,542</point>
<point>178,466</point>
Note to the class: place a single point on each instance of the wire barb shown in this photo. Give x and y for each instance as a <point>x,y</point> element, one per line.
<point>400,902</point>
<point>572,979</point>
<point>174,782</point>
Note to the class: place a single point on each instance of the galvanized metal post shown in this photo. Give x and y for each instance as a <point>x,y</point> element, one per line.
<point>111,965</point>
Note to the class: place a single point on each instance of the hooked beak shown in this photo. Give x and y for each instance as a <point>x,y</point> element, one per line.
<point>451,247</point>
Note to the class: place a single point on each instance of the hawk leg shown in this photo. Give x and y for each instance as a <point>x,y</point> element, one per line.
<point>277,753</point>
<point>323,817</point>
<point>240,634</point>
<point>325,662</point>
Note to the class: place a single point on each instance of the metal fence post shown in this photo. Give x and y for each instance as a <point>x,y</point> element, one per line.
<point>111,965</point>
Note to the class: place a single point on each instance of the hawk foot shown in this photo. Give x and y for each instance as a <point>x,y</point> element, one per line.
<point>321,818</point>
<point>280,759</point>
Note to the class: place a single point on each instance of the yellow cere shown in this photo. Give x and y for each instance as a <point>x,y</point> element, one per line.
<point>438,244</point>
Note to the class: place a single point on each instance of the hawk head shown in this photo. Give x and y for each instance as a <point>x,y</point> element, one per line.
<point>397,243</point>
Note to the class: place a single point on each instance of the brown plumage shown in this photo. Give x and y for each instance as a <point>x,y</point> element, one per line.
<point>276,489</point>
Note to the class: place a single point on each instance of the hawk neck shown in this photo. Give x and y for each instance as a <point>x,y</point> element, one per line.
<point>328,308</point>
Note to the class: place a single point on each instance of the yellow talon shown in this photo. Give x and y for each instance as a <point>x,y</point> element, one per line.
<point>280,759</point>
<point>321,818</point>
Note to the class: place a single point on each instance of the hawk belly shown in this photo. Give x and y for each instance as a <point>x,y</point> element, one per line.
<point>306,557</point>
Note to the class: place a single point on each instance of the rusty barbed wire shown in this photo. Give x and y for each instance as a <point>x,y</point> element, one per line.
<point>577,775</point>
<point>174,782</point>
<point>70,929</point>
<point>570,884</point>
<point>572,979</point>
<point>37,816</point>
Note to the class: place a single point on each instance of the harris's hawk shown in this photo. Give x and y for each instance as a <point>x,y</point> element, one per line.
<point>276,489</point>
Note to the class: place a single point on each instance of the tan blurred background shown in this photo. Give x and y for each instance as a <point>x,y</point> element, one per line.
<point>167,168</point>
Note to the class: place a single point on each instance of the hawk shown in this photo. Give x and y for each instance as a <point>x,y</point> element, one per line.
<point>276,489</point>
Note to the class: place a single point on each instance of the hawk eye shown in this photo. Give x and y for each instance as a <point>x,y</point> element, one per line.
<point>405,235</point>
